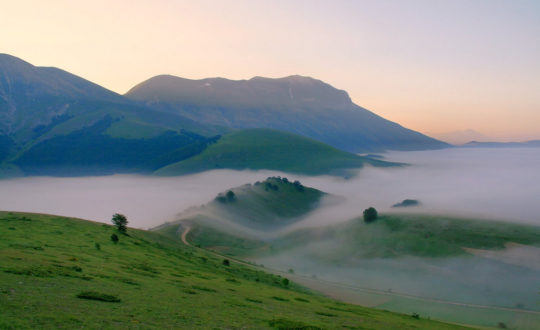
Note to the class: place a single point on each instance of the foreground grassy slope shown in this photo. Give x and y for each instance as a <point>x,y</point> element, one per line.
<point>272,150</point>
<point>149,281</point>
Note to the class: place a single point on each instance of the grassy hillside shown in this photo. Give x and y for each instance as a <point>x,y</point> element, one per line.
<point>273,202</point>
<point>62,272</point>
<point>459,270</point>
<point>398,235</point>
<point>263,206</point>
<point>272,150</point>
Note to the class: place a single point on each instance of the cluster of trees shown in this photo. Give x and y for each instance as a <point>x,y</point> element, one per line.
<point>229,196</point>
<point>269,183</point>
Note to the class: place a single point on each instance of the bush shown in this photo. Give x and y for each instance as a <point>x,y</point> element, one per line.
<point>230,196</point>
<point>283,323</point>
<point>92,295</point>
<point>370,215</point>
<point>114,238</point>
<point>226,262</point>
<point>120,221</point>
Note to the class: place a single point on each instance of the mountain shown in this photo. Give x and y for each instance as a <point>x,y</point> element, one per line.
<point>296,104</point>
<point>527,144</point>
<point>461,137</point>
<point>55,123</point>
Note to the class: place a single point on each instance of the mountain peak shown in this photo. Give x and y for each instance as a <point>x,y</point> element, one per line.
<point>258,91</point>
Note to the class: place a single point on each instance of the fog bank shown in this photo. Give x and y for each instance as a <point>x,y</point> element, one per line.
<point>487,183</point>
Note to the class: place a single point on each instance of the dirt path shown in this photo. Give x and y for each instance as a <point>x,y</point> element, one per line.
<point>184,235</point>
<point>345,292</point>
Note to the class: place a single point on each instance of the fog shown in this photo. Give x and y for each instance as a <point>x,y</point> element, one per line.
<point>496,184</point>
<point>491,281</point>
<point>487,183</point>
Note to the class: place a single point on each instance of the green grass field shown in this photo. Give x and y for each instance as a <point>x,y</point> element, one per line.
<point>272,150</point>
<point>58,272</point>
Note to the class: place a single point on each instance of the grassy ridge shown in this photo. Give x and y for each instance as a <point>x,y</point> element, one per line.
<point>418,235</point>
<point>62,272</point>
<point>272,150</point>
<point>392,235</point>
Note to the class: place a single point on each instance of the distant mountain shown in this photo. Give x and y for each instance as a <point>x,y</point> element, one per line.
<point>461,137</point>
<point>296,104</point>
<point>527,144</point>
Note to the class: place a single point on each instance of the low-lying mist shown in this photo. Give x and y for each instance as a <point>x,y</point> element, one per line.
<point>488,183</point>
<point>471,279</point>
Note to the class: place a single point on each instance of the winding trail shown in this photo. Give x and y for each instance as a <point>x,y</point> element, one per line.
<point>341,291</point>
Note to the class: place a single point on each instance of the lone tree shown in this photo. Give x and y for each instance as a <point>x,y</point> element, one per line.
<point>370,215</point>
<point>120,221</point>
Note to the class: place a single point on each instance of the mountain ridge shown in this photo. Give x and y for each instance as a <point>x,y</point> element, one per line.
<point>297,104</point>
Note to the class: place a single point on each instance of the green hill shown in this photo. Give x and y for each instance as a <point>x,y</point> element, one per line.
<point>62,272</point>
<point>269,149</point>
<point>261,207</point>
<point>398,235</point>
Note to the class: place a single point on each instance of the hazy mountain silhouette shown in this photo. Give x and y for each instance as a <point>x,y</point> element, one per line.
<point>462,136</point>
<point>297,104</point>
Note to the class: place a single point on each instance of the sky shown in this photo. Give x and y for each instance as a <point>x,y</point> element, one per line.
<point>430,65</point>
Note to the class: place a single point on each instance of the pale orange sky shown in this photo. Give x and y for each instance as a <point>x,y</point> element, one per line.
<point>433,66</point>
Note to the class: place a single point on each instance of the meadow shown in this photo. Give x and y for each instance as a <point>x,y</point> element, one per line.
<point>64,272</point>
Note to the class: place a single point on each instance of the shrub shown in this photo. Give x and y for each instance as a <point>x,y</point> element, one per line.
<point>283,323</point>
<point>285,281</point>
<point>226,262</point>
<point>98,246</point>
<point>230,196</point>
<point>114,238</point>
<point>92,295</point>
<point>370,215</point>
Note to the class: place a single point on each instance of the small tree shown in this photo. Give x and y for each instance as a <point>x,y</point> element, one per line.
<point>120,221</point>
<point>370,215</point>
